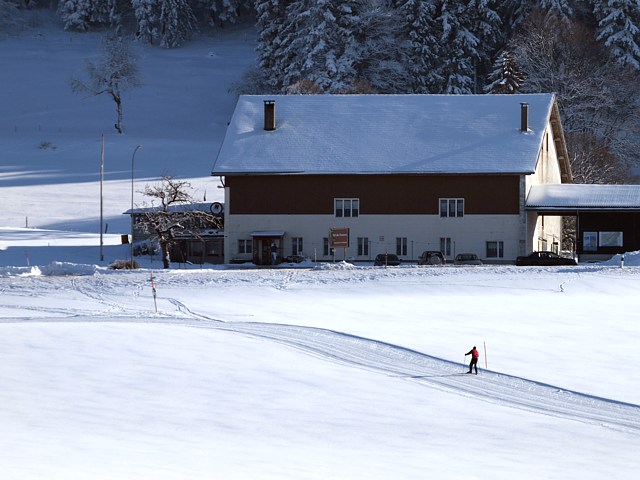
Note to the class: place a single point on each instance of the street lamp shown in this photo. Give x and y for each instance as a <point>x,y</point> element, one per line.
<point>133,157</point>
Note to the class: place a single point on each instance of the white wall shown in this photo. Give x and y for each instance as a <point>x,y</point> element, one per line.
<point>547,171</point>
<point>423,232</point>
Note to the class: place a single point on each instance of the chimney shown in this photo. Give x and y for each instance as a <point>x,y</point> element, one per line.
<point>524,117</point>
<point>269,115</point>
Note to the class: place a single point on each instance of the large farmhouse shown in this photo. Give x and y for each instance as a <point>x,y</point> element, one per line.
<point>352,176</point>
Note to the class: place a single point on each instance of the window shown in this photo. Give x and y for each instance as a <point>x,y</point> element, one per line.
<point>325,246</point>
<point>495,249</point>
<point>363,246</point>
<point>445,246</point>
<point>610,239</point>
<point>244,246</point>
<point>451,207</point>
<point>296,246</point>
<point>401,246</point>
<point>346,207</point>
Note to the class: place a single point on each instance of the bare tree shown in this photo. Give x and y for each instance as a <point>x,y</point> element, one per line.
<point>116,71</point>
<point>173,213</point>
<point>598,99</point>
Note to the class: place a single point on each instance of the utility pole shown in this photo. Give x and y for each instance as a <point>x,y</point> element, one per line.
<point>133,157</point>
<point>101,203</point>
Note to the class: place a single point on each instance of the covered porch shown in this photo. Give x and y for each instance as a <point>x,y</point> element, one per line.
<point>607,216</point>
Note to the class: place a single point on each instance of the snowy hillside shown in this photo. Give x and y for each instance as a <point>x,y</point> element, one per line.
<point>50,137</point>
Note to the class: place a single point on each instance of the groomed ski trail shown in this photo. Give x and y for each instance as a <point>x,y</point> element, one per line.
<point>434,372</point>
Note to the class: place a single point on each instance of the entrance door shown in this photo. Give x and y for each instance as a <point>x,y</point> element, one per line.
<point>262,250</point>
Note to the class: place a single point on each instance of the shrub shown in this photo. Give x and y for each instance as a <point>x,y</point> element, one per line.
<point>124,265</point>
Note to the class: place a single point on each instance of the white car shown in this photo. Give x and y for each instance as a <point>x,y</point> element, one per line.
<point>467,259</point>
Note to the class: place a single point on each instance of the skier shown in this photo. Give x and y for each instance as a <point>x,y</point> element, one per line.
<point>474,359</point>
<point>274,253</point>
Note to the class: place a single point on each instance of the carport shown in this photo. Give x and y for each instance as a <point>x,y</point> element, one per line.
<point>607,216</point>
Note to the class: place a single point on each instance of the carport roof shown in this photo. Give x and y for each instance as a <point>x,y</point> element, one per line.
<point>577,197</point>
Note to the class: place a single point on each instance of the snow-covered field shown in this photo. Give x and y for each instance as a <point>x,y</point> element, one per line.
<point>329,371</point>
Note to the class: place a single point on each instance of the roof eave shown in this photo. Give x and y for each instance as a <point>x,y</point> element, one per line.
<point>560,144</point>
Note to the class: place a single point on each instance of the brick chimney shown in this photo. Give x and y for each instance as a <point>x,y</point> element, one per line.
<point>524,117</point>
<point>269,115</point>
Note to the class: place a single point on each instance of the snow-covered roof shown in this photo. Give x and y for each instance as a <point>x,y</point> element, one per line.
<point>385,134</point>
<point>583,197</point>
<point>177,207</point>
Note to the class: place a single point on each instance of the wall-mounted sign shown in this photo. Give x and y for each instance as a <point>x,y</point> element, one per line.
<point>217,208</point>
<point>339,237</point>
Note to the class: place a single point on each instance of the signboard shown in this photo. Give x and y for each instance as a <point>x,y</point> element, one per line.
<point>610,239</point>
<point>339,237</point>
<point>217,208</point>
<point>590,241</point>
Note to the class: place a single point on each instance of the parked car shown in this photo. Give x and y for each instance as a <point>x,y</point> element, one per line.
<point>295,259</point>
<point>431,257</point>
<point>544,259</point>
<point>467,259</point>
<point>387,259</point>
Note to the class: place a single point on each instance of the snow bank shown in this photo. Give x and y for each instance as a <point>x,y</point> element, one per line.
<point>335,266</point>
<point>53,269</point>
<point>631,259</point>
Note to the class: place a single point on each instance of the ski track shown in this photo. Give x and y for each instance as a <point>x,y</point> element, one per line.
<point>415,366</point>
<point>381,357</point>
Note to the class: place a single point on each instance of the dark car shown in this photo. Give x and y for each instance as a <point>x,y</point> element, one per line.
<point>387,259</point>
<point>544,259</point>
<point>295,259</point>
<point>467,259</point>
<point>431,257</point>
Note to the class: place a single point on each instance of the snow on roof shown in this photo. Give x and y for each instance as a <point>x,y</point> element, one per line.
<point>578,196</point>
<point>176,207</point>
<point>385,134</point>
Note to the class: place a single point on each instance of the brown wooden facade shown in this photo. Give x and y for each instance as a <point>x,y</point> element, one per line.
<point>602,223</point>
<point>378,194</point>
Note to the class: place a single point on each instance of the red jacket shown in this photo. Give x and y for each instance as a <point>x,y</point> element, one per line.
<point>474,353</point>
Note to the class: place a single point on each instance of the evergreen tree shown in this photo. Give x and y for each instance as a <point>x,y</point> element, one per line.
<point>289,45</point>
<point>618,22</point>
<point>103,12</point>
<point>506,77</point>
<point>147,13</point>
<point>8,16</point>
<point>459,54</point>
<point>487,26</point>
<point>558,9</point>
<point>82,14</point>
<point>220,12</point>
<point>513,14</point>
<point>75,14</point>
<point>271,23</point>
<point>177,23</point>
<point>422,44</point>
<point>382,67</point>
<point>329,51</point>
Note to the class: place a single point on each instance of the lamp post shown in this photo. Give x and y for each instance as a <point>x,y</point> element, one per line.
<point>133,157</point>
